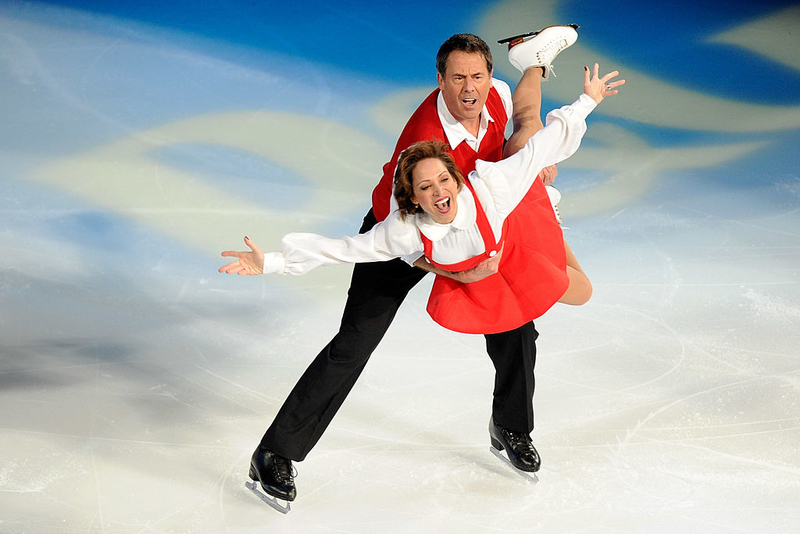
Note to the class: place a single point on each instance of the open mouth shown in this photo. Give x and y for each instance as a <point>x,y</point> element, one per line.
<point>469,101</point>
<point>443,205</point>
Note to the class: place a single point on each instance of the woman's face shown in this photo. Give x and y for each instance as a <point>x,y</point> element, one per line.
<point>435,190</point>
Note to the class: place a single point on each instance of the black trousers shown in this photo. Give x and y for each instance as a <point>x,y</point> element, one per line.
<point>376,292</point>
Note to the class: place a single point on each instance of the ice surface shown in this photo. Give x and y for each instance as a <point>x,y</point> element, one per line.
<point>135,381</point>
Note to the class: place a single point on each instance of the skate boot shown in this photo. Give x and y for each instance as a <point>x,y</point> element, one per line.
<point>274,474</point>
<point>518,446</point>
<point>555,198</point>
<point>539,49</point>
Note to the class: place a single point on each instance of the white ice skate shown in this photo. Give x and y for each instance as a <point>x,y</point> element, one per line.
<point>539,49</point>
<point>555,198</point>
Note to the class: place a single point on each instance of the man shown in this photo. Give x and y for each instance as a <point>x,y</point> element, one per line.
<point>469,111</point>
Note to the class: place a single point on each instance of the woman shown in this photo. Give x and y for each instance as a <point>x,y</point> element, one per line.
<point>457,223</point>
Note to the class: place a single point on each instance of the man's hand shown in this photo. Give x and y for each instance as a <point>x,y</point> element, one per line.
<point>484,269</point>
<point>548,174</point>
<point>479,272</point>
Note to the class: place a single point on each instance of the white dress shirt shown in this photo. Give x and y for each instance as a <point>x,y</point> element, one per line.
<point>500,186</point>
<point>456,133</point>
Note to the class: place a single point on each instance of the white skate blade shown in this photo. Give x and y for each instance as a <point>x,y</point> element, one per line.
<point>530,477</point>
<point>269,499</point>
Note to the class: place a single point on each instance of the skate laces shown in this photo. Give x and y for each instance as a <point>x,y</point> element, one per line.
<point>549,52</point>
<point>284,470</point>
<point>519,441</point>
<point>555,198</point>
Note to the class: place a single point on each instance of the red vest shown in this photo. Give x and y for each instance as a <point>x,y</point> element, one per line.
<point>424,125</point>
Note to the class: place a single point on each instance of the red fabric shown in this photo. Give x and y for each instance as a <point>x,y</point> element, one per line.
<point>532,273</point>
<point>531,276</point>
<point>424,125</point>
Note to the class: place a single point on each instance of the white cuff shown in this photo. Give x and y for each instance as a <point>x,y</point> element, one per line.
<point>586,103</point>
<point>274,263</point>
<point>411,258</point>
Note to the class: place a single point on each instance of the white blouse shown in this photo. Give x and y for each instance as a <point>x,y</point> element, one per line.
<point>500,186</point>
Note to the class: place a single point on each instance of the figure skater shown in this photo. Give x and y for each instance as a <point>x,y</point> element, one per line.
<point>455,226</point>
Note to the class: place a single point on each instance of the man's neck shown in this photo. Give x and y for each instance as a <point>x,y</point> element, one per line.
<point>473,126</point>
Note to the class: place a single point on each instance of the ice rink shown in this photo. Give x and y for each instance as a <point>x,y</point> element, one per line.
<point>138,140</point>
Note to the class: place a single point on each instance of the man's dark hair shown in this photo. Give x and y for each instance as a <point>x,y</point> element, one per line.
<point>463,42</point>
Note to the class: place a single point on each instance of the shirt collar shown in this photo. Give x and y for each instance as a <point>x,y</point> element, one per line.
<point>455,131</point>
<point>464,219</point>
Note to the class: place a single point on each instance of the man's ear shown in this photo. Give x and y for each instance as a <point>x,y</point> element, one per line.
<point>440,80</point>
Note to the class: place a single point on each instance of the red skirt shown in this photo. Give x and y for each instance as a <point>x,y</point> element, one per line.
<point>531,277</point>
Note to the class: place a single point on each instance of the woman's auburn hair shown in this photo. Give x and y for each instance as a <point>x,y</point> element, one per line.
<point>407,162</point>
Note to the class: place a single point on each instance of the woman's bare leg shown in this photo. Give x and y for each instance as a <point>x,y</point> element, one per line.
<point>580,288</point>
<point>527,100</point>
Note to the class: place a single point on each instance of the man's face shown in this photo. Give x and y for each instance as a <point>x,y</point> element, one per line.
<point>465,85</point>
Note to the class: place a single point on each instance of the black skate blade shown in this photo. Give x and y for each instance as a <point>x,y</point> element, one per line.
<point>530,477</point>
<point>515,37</point>
<point>529,34</point>
<point>270,500</point>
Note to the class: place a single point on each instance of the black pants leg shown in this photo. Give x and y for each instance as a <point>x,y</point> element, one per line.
<point>514,357</point>
<point>376,292</point>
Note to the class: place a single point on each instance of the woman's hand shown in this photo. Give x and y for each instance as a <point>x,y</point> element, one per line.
<point>248,263</point>
<point>599,88</point>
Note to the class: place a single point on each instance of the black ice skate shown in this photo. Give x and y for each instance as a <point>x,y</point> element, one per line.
<point>273,473</point>
<point>521,454</point>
